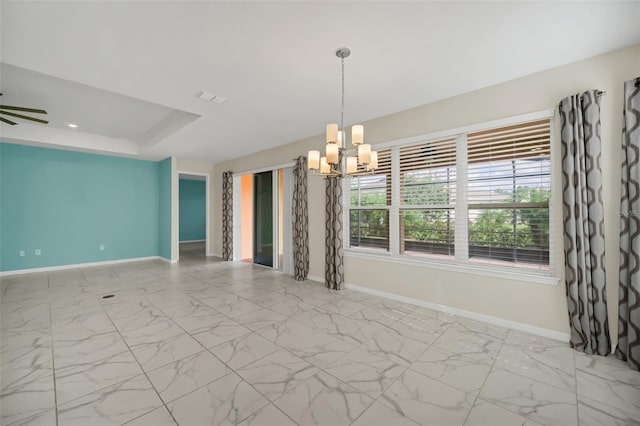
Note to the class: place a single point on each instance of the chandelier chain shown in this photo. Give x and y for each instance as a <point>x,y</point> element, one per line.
<point>342,110</point>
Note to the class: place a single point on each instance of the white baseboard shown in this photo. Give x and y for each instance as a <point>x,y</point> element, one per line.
<point>78,265</point>
<point>527,328</point>
<point>192,241</point>
<point>215,254</point>
<point>520,326</point>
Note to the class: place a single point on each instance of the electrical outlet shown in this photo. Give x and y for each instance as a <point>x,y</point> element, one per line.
<point>22,253</point>
<point>101,247</point>
<point>38,252</point>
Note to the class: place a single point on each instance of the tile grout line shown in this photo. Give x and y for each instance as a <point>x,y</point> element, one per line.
<point>375,400</point>
<point>53,362</point>
<point>142,369</point>
<point>256,282</point>
<point>205,349</point>
<point>539,381</point>
<point>485,381</point>
<point>269,402</point>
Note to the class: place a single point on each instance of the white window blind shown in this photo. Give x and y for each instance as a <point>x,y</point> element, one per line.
<point>369,199</point>
<point>427,198</point>
<point>509,186</point>
<point>479,198</point>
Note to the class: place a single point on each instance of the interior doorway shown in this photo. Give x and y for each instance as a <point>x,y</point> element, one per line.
<point>193,212</point>
<point>262,210</point>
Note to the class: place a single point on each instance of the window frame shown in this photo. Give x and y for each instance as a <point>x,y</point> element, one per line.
<point>460,261</point>
<point>348,208</point>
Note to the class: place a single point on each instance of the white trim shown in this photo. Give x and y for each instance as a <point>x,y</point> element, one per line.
<point>394,209</point>
<point>192,241</point>
<point>265,169</point>
<point>214,254</point>
<point>515,119</point>
<point>556,188</point>
<point>79,265</point>
<point>237,215</point>
<point>539,331</point>
<point>207,225</point>
<point>275,225</point>
<point>461,209</point>
<point>520,274</point>
<point>175,209</point>
<point>237,208</point>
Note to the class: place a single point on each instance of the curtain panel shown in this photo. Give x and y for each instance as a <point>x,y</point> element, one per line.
<point>583,217</point>
<point>227,215</point>
<point>334,255</point>
<point>300,219</point>
<point>628,348</point>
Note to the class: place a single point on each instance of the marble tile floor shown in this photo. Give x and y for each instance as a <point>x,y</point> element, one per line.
<point>221,343</point>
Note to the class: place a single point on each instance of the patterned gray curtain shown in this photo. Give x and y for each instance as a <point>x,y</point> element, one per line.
<point>300,218</point>
<point>629,309</point>
<point>227,216</point>
<point>334,262</point>
<point>583,216</point>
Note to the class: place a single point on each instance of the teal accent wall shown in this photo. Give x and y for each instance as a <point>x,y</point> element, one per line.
<point>193,207</point>
<point>164,227</point>
<point>67,204</point>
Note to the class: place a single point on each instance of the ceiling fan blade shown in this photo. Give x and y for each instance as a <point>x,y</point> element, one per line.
<point>24,117</point>
<point>4,120</point>
<point>15,108</point>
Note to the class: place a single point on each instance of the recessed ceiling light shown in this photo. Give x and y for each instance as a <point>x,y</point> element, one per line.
<point>73,126</point>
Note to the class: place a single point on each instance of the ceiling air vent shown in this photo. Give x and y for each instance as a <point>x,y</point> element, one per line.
<point>211,97</point>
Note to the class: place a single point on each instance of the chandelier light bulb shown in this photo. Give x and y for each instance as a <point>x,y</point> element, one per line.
<point>314,160</point>
<point>332,153</point>
<point>373,163</point>
<point>332,133</point>
<point>364,154</point>
<point>352,165</point>
<point>325,168</point>
<point>357,134</point>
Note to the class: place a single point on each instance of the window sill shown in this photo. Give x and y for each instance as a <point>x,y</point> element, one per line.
<point>495,272</point>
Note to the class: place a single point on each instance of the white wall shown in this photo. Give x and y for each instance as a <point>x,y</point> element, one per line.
<point>535,304</point>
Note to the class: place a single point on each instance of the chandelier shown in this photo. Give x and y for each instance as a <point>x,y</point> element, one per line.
<point>340,161</point>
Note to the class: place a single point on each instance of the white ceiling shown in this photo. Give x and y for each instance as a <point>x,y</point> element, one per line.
<point>275,63</point>
<point>99,111</point>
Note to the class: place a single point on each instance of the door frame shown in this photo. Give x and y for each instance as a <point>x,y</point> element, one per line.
<point>237,205</point>
<point>207,178</point>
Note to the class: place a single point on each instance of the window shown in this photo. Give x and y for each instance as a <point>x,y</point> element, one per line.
<point>476,197</point>
<point>369,201</point>
<point>509,184</point>
<point>428,198</point>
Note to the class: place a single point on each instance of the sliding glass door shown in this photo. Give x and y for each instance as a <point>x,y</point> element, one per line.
<point>263,218</point>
